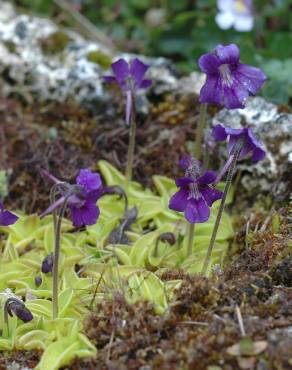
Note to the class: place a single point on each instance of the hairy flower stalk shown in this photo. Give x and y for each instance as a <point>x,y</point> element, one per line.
<point>57,232</point>
<point>132,140</point>
<point>130,78</point>
<point>231,170</point>
<point>197,153</point>
<point>199,131</point>
<point>190,238</point>
<point>81,199</point>
<point>241,142</point>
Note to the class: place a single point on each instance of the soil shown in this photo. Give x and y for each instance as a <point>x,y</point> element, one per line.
<point>201,329</point>
<point>47,136</point>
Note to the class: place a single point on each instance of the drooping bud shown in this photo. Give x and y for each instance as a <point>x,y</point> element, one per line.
<point>168,237</point>
<point>165,237</point>
<point>22,312</point>
<point>17,307</point>
<point>117,190</point>
<point>38,281</point>
<point>47,264</point>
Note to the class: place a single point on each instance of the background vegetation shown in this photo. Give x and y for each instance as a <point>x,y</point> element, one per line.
<point>183,30</point>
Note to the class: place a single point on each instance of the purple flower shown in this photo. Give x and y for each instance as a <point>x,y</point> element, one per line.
<point>196,194</point>
<point>130,78</point>
<point>82,199</point>
<point>6,217</point>
<point>236,13</point>
<point>228,82</point>
<point>250,142</point>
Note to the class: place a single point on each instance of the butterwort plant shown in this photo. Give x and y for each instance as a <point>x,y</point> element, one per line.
<point>241,143</point>
<point>195,196</point>
<point>81,199</point>
<point>130,78</point>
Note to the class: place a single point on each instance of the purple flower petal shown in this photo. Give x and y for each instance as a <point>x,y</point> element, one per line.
<point>85,215</point>
<point>138,70</point>
<point>234,96</point>
<point>183,182</point>
<point>211,92</point>
<point>258,154</point>
<point>7,218</point>
<point>258,150</point>
<point>253,140</point>
<point>209,63</point>
<point>250,142</point>
<point>234,131</point>
<point>121,71</point>
<point>208,178</point>
<point>145,84</point>
<point>219,132</point>
<point>250,77</point>
<point>211,195</point>
<point>247,148</point>
<point>88,180</point>
<point>179,200</point>
<point>93,196</point>
<point>197,211</point>
<point>228,54</point>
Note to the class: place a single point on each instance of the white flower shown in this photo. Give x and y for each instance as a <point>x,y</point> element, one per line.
<point>236,13</point>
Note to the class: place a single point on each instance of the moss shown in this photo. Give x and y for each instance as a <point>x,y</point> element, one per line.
<point>55,43</point>
<point>10,46</point>
<point>100,58</point>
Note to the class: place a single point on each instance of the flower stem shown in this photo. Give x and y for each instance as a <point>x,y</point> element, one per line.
<point>190,238</point>
<point>131,147</point>
<point>230,174</point>
<point>224,169</point>
<point>56,259</point>
<point>200,131</point>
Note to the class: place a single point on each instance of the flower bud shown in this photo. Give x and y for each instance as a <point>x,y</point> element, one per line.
<point>47,264</point>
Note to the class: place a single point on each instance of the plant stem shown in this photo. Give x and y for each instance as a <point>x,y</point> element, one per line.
<point>224,169</point>
<point>56,259</point>
<point>190,238</point>
<point>200,131</point>
<point>53,194</point>
<point>131,147</point>
<point>230,174</point>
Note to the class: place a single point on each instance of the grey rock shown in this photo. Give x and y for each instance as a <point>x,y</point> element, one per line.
<point>274,129</point>
<point>67,73</point>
